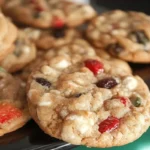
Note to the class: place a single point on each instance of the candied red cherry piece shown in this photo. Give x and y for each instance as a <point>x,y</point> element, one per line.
<point>109,124</point>
<point>8,112</point>
<point>57,22</point>
<point>39,8</point>
<point>124,100</point>
<point>94,65</point>
<point>33,1</point>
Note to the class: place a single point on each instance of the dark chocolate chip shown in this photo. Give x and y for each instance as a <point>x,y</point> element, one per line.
<point>107,83</point>
<point>139,36</point>
<point>114,49</point>
<point>43,82</point>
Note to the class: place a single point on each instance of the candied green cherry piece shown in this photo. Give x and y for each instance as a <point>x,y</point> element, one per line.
<point>137,102</point>
<point>2,69</point>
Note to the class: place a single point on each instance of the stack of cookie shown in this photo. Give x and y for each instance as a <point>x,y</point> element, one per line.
<point>76,91</point>
<point>15,53</point>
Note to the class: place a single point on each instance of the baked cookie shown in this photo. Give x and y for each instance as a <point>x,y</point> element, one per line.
<point>89,103</point>
<point>46,39</point>
<point>13,105</point>
<point>24,52</point>
<point>8,39</point>
<point>48,13</point>
<point>65,55</point>
<point>125,35</point>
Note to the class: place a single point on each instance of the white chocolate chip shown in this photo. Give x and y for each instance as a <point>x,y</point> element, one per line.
<point>62,64</point>
<point>32,33</point>
<point>130,83</point>
<point>84,124</point>
<point>46,70</point>
<point>26,49</point>
<point>63,113</point>
<point>45,100</point>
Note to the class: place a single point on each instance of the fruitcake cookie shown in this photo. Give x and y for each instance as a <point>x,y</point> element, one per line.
<point>89,103</point>
<point>48,13</point>
<point>123,34</point>
<point>7,41</point>
<point>24,52</point>
<point>46,39</point>
<point>65,55</point>
<point>13,106</point>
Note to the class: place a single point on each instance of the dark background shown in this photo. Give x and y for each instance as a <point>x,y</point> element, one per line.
<point>137,5</point>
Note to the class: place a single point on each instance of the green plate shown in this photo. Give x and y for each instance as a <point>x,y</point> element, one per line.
<point>142,143</point>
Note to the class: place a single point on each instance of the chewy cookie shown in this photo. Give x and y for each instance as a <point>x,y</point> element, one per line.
<point>24,52</point>
<point>89,103</point>
<point>46,39</point>
<point>8,36</point>
<point>125,35</point>
<point>62,56</point>
<point>13,106</point>
<point>48,13</point>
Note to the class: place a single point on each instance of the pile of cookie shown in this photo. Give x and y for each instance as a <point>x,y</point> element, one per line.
<point>64,66</point>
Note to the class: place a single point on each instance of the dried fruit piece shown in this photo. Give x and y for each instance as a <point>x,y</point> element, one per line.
<point>109,124</point>
<point>58,33</point>
<point>107,83</point>
<point>2,69</point>
<point>136,101</point>
<point>43,82</point>
<point>57,23</point>
<point>114,49</point>
<point>139,36</point>
<point>124,100</point>
<point>8,112</point>
<point>33,1</point>
<point>78,95</point>
<point>39,8</point>
<point>36,15</point>
<point>95,66</point>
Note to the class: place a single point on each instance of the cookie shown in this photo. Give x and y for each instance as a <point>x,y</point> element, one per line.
<point>46,39</point>
<point>48,13</point>
<point>89,103</point>
<point>8,39</point>
<point>62,56</point>
<point>13,105</point>
<point>24,52</point>
<point>125,35</point>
